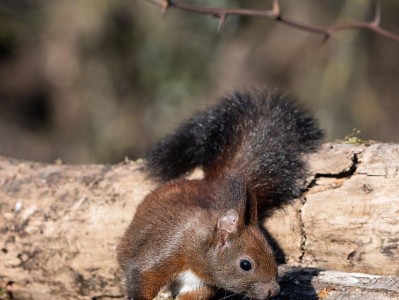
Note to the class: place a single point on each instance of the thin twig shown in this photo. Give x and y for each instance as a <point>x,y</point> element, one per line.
<point>276,15</point>
<point>377,13</point>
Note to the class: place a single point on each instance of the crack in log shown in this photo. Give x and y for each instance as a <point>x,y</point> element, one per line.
<point>302,230</point>
<point>344,174</point>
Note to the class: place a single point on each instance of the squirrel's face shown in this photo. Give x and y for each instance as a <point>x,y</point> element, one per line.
<point>242,261</point>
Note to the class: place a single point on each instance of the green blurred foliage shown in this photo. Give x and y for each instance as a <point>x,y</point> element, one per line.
<point>97,80</point>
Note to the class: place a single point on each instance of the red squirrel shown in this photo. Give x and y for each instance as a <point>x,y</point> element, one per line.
<point>202,236</point>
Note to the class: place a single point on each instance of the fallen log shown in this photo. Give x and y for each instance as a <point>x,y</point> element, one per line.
<point>348,219</point>
<point>60,224</point>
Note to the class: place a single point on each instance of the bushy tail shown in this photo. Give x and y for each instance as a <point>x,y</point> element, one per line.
<point>259,136</point>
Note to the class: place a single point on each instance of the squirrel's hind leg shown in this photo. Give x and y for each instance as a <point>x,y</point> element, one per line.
<point>143,285</point>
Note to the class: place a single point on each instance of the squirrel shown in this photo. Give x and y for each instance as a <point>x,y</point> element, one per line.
<point>202,236</point>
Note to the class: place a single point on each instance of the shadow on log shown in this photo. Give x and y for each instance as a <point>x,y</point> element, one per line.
<point>60,224</point>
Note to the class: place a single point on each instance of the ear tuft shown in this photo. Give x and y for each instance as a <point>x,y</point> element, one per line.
<point>251,215</point>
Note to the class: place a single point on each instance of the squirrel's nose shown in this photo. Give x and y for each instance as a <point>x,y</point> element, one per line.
<point>271,289</point>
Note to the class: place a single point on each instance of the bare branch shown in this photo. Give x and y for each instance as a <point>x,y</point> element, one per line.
<point>219,11</point>
<point>275,14</point>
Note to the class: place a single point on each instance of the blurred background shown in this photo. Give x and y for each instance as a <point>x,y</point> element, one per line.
<point>95,81</point>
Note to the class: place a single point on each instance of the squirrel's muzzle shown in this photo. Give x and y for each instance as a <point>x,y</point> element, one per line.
<point>266,290</point>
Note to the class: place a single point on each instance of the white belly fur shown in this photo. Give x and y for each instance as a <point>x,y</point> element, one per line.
<point>189,282</point>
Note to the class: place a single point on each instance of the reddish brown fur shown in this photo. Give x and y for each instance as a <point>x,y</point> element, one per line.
<point>178,227</point>
<point>202,294</point>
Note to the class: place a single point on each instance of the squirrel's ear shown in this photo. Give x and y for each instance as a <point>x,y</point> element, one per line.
<point>251,210</point>
<point>229,221</point>
<point>227,224</point>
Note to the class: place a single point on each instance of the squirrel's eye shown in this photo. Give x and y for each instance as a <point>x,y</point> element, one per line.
<point>245,265</point>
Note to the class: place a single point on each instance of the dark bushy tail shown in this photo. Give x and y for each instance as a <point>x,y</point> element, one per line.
<point>259,136</point>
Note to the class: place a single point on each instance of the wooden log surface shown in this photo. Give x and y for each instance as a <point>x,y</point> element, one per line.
<point>349,218</point>
<point>60,224</point>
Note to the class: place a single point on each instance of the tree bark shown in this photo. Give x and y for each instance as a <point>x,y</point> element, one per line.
<point>348,219</point>
<point>60,224</point>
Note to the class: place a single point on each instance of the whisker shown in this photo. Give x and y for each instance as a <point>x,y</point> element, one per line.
<point>228,296</point>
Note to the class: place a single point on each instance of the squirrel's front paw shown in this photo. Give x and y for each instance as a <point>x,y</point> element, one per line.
<point>202,294</point>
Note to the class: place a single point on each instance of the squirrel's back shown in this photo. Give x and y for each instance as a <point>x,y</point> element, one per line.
<point>260,137</point>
